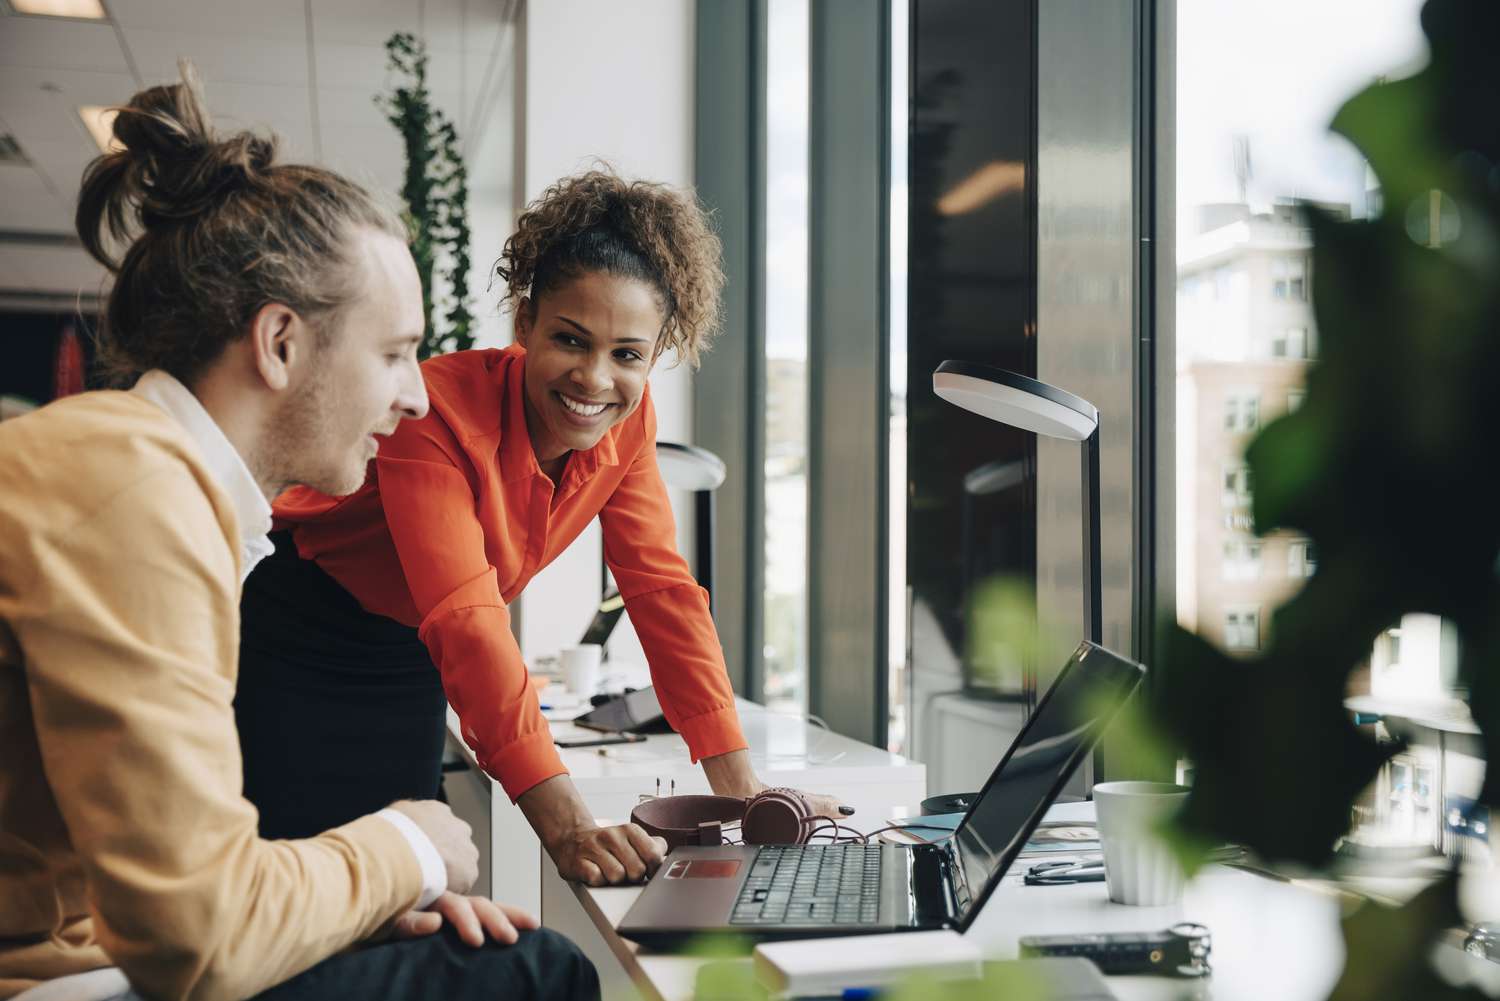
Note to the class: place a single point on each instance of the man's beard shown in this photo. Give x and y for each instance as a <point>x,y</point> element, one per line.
<point>296,445</point>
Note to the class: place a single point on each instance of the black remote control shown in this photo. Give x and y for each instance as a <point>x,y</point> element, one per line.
<point>1180,951</point>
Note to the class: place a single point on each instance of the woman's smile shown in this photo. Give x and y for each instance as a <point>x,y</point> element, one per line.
<point>582,412</point>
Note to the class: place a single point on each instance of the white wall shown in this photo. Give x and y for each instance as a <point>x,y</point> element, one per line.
<point>612,81</point>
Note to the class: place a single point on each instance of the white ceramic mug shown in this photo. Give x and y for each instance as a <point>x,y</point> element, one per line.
<point>1139,867</point>
<point>580,668</point>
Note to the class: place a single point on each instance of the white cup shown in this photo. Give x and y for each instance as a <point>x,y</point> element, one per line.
<point>1139,867</point>
<point>580,667</point>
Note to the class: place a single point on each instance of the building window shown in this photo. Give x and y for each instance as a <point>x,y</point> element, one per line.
<point>1242,559</point>
<point>1237,485</point>
<point>1242,412</point>
<point>1223,283</point>
<point>1291,343</point>
<point>1294,398</point>
<point>785,623</point>
<point>1289,279</point>
<point>1242,629</point>
<point>1301,559</point>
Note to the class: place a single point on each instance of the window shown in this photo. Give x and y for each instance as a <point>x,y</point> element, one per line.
<point>1241,559</point>
<point>1242,412</point>
<point>785,625</point>
<point>1290,343</point>
<point>898,725</point>
<point>1242,629</point>
<point>1301,559</point>
<point>1237,486</point>
<point>1289,279</point>
<point>1223,283</point>
<point>1247,148</point>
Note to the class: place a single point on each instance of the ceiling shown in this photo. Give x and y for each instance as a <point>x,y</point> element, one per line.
<point>304,69</point>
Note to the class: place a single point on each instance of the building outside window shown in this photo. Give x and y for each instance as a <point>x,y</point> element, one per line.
<point>1242,629</point>
<point>1237,485</point>
<point>1289,279</point>
<point>1242,412</point>
<point>1301,559</point>
<point>1242,559</point>
<point>1252,148</point>
<point>1293,343</point>
<point>785,636</point>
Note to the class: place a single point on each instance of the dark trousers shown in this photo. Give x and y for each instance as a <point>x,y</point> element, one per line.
<point>542,966</point>
<point>340,711</point>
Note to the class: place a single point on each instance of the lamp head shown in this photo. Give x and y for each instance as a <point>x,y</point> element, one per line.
<point>688,467</point>
<point>1015,400</point>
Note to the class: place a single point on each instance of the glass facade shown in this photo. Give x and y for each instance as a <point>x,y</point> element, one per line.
<point>785,610</point>
<point>970,527</point>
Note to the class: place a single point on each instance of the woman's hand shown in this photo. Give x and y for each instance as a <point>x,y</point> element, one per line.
<point>584,851</point>
<point>827,806</point>
<point>732,775</point>
<point>471,917</point>
<point>604,856</point>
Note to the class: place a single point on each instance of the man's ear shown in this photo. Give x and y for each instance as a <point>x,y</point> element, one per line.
<point>279,341</point>
<point>525,317</point>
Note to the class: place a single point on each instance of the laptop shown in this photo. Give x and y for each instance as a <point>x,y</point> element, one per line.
<point>768,892</point>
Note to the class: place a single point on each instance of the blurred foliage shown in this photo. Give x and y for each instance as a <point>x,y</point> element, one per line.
<point>1003,634</point>
<point>1391,946</point>
<point>436,192</point>
<point>734,980</point>
<point>1385,466</point>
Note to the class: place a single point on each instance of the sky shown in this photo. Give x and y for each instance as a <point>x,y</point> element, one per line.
<point>1275,72</point>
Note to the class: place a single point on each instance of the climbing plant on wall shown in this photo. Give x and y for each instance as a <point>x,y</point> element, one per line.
<point>435,189</point>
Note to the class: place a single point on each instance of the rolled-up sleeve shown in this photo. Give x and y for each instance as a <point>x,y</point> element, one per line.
<point>430,510</point>
<point>668,608</point>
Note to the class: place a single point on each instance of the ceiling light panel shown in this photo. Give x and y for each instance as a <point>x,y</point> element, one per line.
<point>90,10</point>
<point>100,122</point>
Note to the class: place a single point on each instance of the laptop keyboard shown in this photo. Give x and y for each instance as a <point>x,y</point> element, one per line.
<point>811,884</point>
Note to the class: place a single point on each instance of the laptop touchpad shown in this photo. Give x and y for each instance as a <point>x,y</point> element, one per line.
<point>708,868</point>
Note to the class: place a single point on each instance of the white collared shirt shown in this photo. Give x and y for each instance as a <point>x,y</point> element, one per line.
<point>223,461</point>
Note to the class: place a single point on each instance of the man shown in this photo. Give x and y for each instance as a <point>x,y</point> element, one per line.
<point>275,311</point>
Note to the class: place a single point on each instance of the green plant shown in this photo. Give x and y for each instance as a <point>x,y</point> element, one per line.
<point>436,192</point>
<point>1387,466</point>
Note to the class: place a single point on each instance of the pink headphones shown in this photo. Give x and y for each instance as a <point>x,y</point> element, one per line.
<point>773,817</point>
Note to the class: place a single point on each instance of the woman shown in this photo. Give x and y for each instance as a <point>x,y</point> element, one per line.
<point>521,450</point>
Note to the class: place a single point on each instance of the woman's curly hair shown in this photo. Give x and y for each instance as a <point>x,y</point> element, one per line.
<point>598,222</point>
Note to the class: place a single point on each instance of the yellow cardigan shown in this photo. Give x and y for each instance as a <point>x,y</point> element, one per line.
<point>124,837</point>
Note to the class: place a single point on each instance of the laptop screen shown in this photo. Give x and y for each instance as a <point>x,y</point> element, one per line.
<point>1060,734</point>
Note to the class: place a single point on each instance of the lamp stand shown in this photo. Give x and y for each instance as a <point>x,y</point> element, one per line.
<point>1093,612</point>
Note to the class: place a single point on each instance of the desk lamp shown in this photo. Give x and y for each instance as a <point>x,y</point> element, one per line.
<point>1025,403</point>
<point>688,467</point>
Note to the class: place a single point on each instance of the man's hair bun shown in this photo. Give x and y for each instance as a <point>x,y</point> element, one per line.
<point>200,232</point>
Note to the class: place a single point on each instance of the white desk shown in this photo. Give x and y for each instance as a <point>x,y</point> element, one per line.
<point>785,750</point>
<point>1270,939</point>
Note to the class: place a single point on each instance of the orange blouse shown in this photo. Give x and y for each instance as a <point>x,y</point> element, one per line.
<point>455,519</point>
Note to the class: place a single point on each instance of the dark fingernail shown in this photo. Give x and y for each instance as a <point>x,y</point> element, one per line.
<point>847,811</point>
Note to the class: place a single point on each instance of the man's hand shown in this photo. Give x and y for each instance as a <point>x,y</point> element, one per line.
<point>471,917</point>
<point>452,838</point>
<point>604,856</point>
